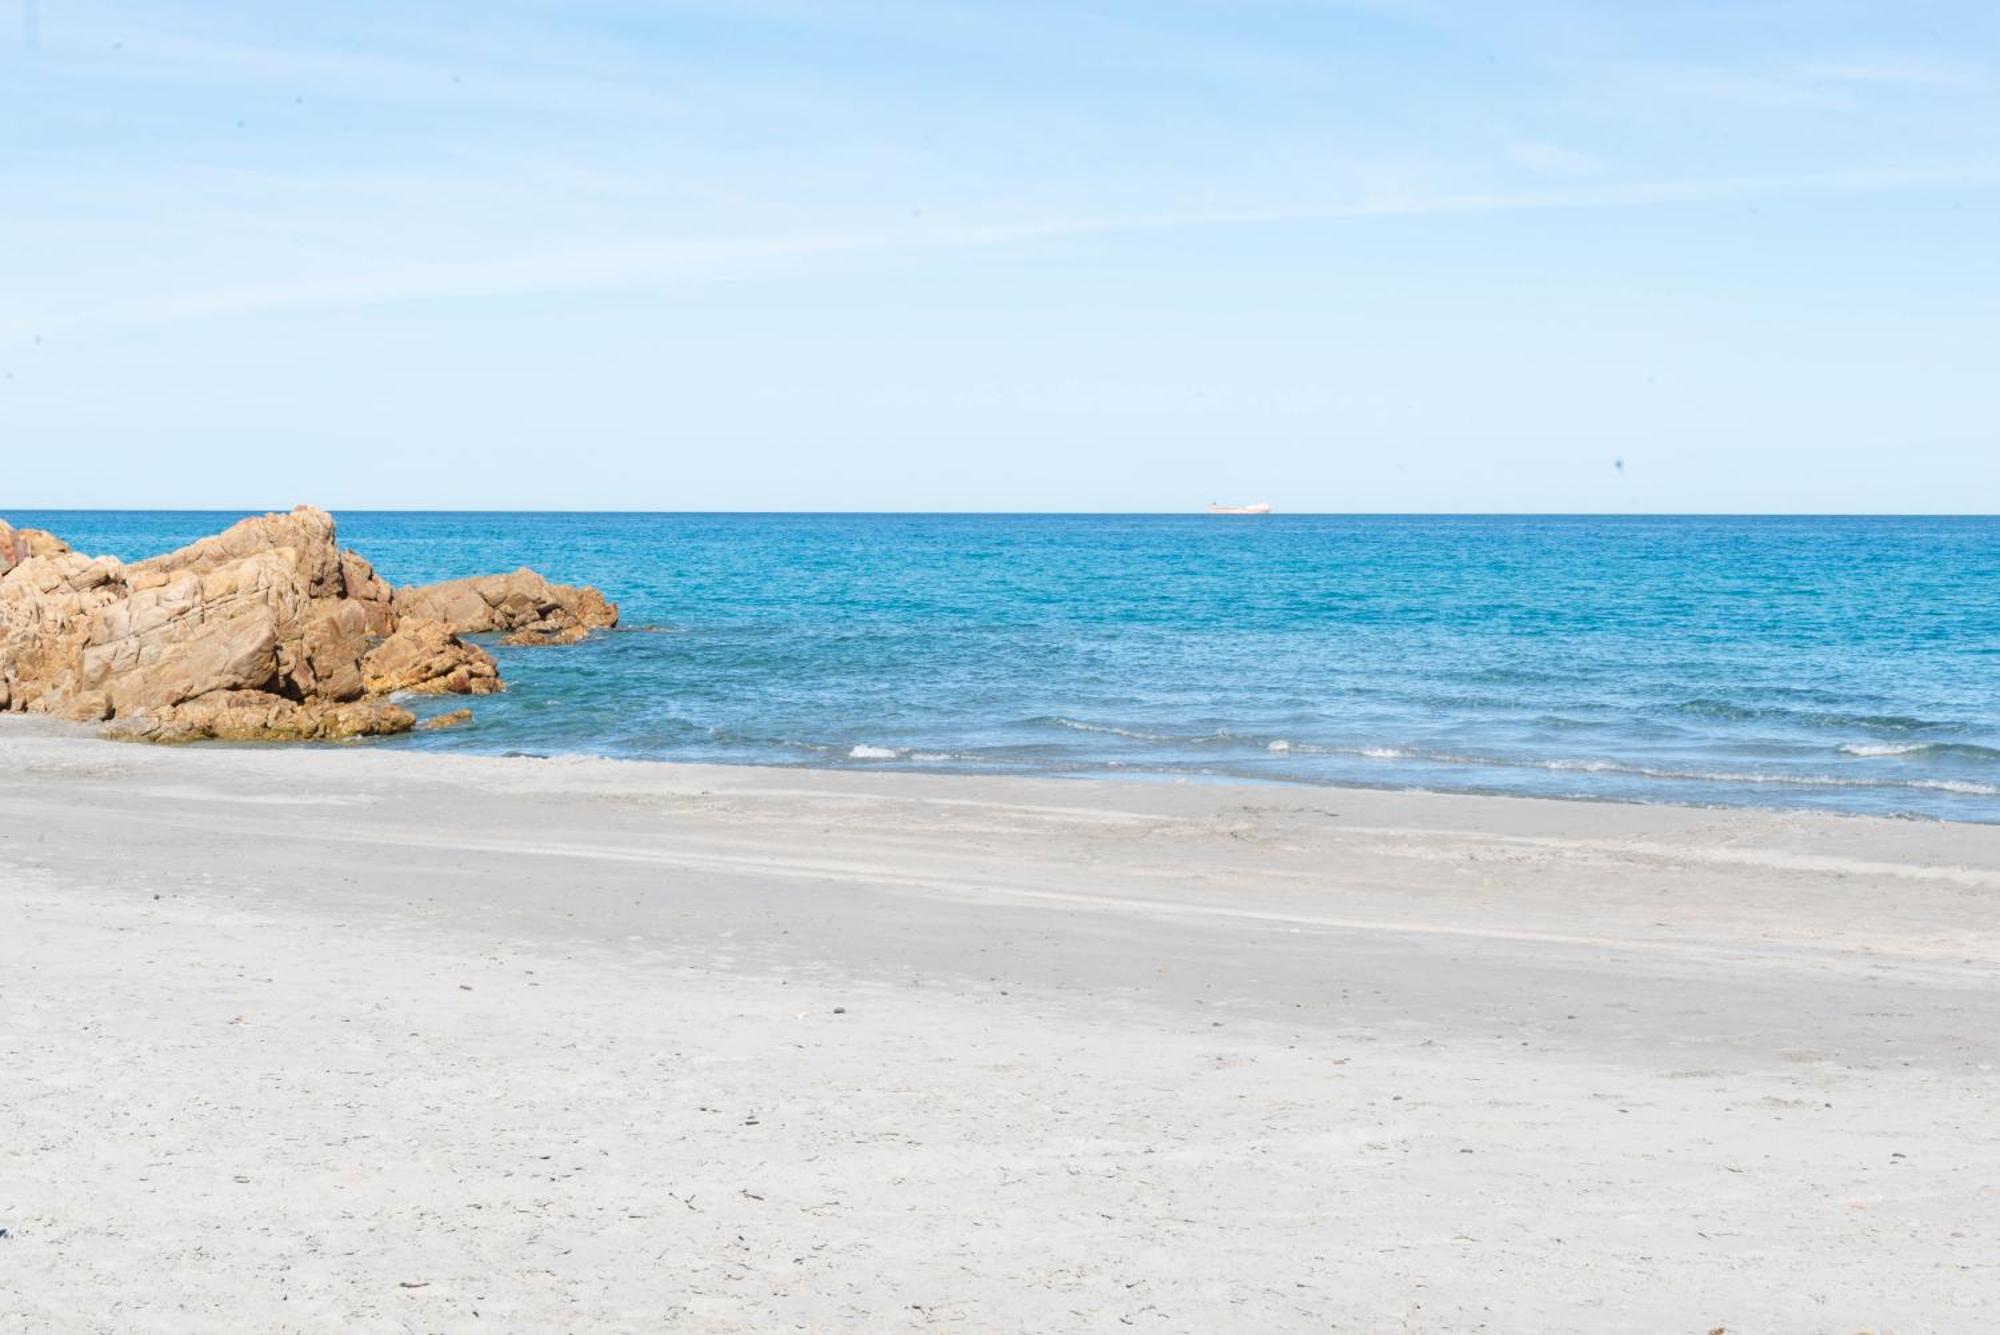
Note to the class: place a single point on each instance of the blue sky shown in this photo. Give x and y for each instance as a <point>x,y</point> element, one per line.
<point>817,254</point>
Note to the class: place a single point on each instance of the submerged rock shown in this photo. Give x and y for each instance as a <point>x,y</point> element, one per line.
<point>567,635</point>
<point>451,720</point>
<point>267,630</point>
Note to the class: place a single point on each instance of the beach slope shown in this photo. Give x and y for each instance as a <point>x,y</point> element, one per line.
<point>352,1039</point>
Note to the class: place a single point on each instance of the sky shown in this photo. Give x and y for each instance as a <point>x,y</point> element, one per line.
<point>1337,255</point>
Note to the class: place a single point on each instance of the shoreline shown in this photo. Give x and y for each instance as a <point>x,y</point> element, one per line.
<point>42,725</point>
<point>306,1039</point>
<point>1145,777</point>
<point>37,726</point>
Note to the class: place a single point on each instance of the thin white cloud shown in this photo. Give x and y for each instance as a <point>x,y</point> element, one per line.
<point>670,173</point>
<point>1896,72</point>
<point>1551,159</point>
<point>640,263</point>
<point>1785,89</point>
<point>127,54</point>
<point>1823,83</point>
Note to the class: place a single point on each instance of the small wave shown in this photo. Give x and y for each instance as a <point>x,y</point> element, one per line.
<point>1078,725</point>
<point>865,752</point>
<point>1955,750</point>
<point>1225,738</point>
<point>730,737</point>
<point>1565,722</point>
<point>1962,787</point>
<point>1965,787</point>
<point>1709,707</point>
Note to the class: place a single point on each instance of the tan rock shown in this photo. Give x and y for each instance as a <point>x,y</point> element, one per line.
<point>567,635</point>
<point>360,583</point>
<point>438,722</point>
<point>18,544</point>
<point>47,602</point>
<point>259,716</point>
<point>520,601</point>
<point>323,661</point>
<point>268,629</point>
<point>261,606</point>
<point>427,657</point>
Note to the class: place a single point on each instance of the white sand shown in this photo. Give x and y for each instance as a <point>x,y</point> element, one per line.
<point>347,1039</point>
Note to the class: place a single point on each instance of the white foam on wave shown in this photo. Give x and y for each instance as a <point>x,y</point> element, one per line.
<point>1078,725</point>
<point>1965,786</point>
<point>1960,787</point>
<point>1599,766</point>
<point>865,752</point>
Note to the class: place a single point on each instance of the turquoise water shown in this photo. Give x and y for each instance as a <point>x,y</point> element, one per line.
<point>1846,664</point>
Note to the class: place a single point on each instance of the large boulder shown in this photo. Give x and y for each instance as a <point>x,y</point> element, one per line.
<point>262,606</point>
<point>18,544</point>
<point>521,602</point>
<point>49,598</point>
<point>266,630</point>
<point>428,658</point>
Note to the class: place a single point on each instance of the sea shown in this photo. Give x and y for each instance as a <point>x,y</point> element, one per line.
<point>1841,664</point>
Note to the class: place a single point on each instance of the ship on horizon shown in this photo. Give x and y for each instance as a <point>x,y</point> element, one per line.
<point>1218,508</point>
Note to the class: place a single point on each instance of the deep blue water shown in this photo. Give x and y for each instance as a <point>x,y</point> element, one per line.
<point>1842,663</point>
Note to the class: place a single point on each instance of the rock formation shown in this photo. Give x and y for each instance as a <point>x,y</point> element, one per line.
<point>437,722</point>
<point>267,630</point>
<point>428,658</point>
<point>523,603</point>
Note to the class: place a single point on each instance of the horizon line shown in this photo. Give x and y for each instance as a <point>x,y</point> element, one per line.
<point>1026,514</point>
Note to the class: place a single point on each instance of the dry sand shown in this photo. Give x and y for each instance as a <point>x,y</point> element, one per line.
<point>355,1040</point>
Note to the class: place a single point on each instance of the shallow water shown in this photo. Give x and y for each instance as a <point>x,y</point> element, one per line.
<point>1850,664</point>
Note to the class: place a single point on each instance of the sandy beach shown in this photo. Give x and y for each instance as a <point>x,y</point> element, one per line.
<point>350,1039</point>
